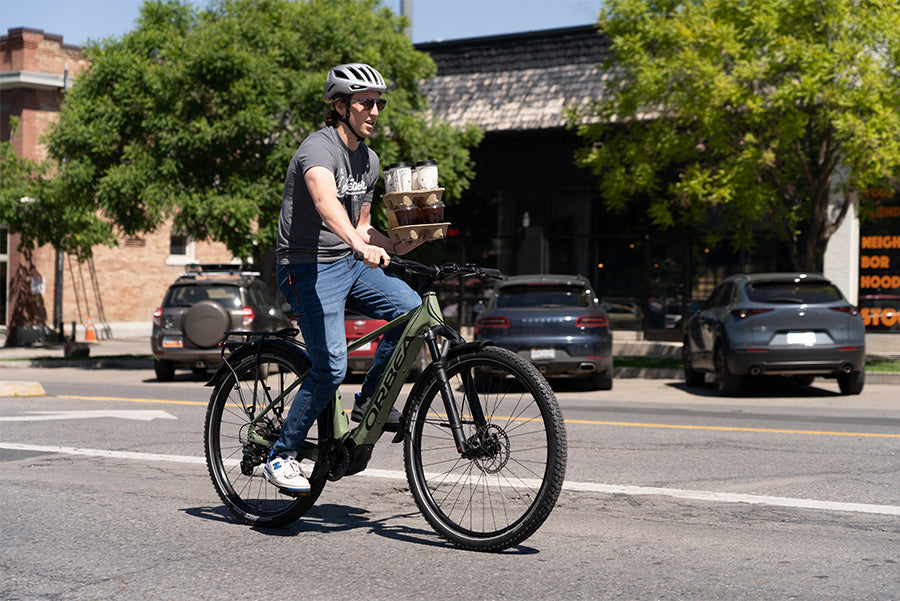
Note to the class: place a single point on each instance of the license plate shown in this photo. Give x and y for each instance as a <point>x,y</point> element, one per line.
<point>542,354</point>
<point>802,338</point>
<point>366,347</point>
<point>172,342</point>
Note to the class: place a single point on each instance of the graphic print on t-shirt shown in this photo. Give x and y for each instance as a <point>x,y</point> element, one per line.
<point>347,186</point>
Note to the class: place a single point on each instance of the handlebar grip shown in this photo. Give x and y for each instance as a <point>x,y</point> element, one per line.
<point>494,274</point>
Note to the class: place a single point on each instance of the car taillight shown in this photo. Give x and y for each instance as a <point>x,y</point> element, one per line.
<point>853,311</point>
<point>247,316</point>
<point>491,323</point>
<point>745,313</point>
<point>157,317</point>
<point>591,321</point>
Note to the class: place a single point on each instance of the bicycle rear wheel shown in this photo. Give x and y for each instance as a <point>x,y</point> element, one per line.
<point>235,463</point>
<point>503,492</point>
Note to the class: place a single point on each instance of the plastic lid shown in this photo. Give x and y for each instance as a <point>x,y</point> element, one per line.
<point>426,163</point>
<point>396,165</point>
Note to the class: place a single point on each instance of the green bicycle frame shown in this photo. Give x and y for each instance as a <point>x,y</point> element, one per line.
<point>369,430</point>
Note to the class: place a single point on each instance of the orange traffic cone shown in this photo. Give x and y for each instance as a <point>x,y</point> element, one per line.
<point>89,333</point>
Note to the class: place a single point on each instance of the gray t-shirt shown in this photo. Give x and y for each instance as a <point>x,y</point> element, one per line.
<point>302,236</point>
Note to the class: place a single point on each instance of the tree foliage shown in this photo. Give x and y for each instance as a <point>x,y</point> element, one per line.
<point>758,110</point>
<point>195,115</point>
<point>24,206</point>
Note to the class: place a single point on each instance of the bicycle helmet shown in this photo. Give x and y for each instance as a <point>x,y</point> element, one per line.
<point>352,78</point>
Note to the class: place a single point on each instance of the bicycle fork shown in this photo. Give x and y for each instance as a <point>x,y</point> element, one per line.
<point>467,447</point>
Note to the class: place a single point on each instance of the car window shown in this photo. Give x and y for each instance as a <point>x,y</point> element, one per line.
<point>185,296</point>
<point>791,292</point>
<point>542,296</point>
<point>257,298</point>
<point>720,297</point>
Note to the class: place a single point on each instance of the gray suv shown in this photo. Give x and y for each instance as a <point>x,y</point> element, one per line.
<point>786,324</point>
<point>199,307</point>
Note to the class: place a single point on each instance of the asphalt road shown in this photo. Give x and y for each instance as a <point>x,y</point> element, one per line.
<point>671,493</point>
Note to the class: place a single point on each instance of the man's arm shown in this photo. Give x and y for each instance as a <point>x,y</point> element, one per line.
<point>321,185</point>
<point>371,235</point>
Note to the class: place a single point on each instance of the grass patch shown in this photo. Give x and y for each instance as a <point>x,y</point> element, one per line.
<point>872,365</point>
<point>882,365</point>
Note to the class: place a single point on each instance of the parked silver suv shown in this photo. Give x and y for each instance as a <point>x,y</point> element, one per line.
<point>203,304</point>
<point>787,324</point>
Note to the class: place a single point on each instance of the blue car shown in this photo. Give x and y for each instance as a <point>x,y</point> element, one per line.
<point>786,324</point>
<point>554,321</point>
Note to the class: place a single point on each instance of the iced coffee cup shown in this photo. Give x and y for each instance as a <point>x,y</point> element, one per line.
<point>406,215</point>
<point>433,213</point>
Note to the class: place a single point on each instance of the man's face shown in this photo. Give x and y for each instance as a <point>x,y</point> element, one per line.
<point>363,119</point>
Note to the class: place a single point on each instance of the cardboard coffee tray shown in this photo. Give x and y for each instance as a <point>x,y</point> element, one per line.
<point>392,200</point>
<point>430,231</point>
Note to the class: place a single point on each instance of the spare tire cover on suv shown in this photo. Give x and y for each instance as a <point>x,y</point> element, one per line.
<point>206,322</point>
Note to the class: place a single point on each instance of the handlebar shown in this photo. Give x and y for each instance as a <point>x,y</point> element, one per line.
<point>429,274</point>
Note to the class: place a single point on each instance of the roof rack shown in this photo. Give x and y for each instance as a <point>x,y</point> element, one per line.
<point>196,269</point>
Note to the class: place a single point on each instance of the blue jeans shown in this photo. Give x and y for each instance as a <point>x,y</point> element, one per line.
<point>318,293</point>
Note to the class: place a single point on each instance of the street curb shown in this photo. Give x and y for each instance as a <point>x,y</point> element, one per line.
<point>99,363</point>
<point>21,389</point>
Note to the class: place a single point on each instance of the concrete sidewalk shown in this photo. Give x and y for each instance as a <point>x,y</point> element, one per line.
<point>134,352</point>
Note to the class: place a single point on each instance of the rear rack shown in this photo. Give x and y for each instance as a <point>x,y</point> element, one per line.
<point>283,334</point>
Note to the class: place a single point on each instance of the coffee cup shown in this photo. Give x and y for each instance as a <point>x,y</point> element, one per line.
<point>426,175</point>
<point>398,177</point>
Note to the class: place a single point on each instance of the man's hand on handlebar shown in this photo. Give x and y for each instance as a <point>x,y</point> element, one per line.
<point>373,256</point>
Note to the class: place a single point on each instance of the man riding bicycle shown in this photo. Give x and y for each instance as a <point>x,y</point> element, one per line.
<point>324,220</point>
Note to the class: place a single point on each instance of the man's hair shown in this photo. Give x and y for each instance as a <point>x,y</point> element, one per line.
<point>332,117</point>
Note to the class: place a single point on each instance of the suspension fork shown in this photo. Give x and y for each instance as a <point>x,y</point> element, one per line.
<point>450,405</point>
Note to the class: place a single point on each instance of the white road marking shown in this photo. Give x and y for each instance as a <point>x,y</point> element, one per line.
<point>611,489</point>
<point>43,416</point>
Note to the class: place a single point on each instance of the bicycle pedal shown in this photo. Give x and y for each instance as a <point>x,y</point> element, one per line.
<point>293,493</point>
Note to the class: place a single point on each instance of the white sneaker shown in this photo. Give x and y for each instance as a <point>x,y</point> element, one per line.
<point>360,407</point>
<point>284,472</point>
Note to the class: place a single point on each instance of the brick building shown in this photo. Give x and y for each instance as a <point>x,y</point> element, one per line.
<point>120,287</point>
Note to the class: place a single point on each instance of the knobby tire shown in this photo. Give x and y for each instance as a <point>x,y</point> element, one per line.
<point>251,497</point>
<point>497,500</point>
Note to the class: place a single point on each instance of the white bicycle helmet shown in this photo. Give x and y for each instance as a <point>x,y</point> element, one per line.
<point>352,78</point>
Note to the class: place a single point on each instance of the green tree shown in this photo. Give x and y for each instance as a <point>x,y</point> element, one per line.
<point>27,204</point>
<point>195,114</point>
<point>758,110</point>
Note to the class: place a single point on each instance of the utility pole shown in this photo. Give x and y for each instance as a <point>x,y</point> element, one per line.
<point>58,299</point>
<point>407,11</point>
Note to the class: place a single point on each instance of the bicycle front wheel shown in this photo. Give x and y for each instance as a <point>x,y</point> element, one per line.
<point>236,463</point>
<point>503,489</point>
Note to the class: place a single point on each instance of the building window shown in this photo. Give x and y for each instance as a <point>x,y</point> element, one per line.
<point>181,249</point>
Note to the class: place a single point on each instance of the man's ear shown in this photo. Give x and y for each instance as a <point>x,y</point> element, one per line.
<point>342,103</point>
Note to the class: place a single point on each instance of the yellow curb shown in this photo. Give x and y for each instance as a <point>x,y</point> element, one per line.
<point>8,389</point>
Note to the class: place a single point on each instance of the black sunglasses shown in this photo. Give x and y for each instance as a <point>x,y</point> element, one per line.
<point>369,103</point>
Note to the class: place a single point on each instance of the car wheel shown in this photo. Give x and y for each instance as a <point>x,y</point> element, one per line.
<point>803,380</point>
<point>852,383</point>
<point>602,380</point>
<point>206,322</point>
<point>727,383</point>
<point>165,370</point>
<point>692,377</point>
